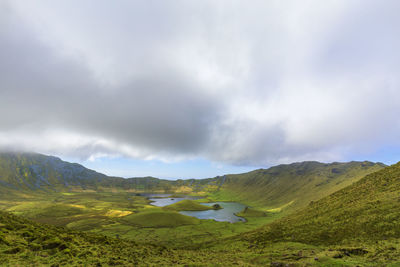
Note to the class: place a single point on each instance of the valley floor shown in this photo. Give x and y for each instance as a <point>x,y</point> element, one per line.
<point>191,243</point>
<point>116,215</point>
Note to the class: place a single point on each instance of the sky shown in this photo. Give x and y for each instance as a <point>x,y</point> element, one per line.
<point>195,89</point>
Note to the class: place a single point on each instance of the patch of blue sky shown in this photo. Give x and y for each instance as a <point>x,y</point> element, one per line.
<point>196,168</point>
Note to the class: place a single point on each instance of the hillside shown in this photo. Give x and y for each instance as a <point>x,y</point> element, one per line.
<point>367,211</point>
<point>284,187</point>
<point>23,243</point>
<point>32,172</point>
<point>26,243</point>
<point>292,185</point>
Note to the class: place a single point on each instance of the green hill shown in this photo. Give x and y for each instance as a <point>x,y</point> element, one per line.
<point>366,211</point>
<point>187,204</point>
<point>37,173</point>
<point>292,185</point>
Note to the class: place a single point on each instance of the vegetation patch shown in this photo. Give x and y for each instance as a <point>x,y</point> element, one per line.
<point>159,219</point>
<point>367,211</point>
<point>118,213</point>
<point>187,204</point>
<point>251,212</point>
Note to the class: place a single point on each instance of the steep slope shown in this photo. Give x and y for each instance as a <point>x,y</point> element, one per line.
<point>366,211</point>
<point>29,171</point>
<point>294,185</point>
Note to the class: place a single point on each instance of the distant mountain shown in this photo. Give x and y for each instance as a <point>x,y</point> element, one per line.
<point>367,211</point>
<point>30,171</point>
<point>36,172</point>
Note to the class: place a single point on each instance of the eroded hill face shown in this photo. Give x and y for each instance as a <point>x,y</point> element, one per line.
<point>366,211</point>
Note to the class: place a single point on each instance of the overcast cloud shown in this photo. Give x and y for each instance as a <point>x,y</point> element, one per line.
<point>238,82</point>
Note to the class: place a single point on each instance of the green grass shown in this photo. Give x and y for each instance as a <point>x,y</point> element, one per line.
<point>101,214</point>
<point>252,212</point>
<point>367,211</point>
<point>187,204</point>
<point>183,236</point>
<point>25,243</point>
<point>291,187</point>
<point>155,219</point>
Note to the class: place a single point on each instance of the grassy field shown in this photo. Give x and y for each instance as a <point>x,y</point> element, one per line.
<point>130,217</point>
<point>159,219</point>
<point>25,243</point>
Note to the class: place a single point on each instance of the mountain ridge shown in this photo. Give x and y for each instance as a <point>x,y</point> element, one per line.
<point>287,185</point>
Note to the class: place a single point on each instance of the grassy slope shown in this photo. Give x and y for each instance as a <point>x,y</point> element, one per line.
<point>366,211</point>
<point>251,212</point>
<point>292,186</point>
<point>37,173</point>
<point>24,243</point>
<point>187,204</point>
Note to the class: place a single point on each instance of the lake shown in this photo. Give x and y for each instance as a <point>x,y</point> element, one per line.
<point>160,200</point>
<point>227,214</point>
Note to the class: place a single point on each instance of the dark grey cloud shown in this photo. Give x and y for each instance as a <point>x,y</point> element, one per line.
<point>230,81</point>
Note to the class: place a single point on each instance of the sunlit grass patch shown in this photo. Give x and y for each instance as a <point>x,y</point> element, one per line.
<point>118,213</point>
<point>279,209</point>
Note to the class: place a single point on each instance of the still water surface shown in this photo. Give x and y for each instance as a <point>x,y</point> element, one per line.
<point>227,214</point>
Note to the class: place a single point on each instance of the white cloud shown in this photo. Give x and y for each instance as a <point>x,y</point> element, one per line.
<point>238,82</point>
